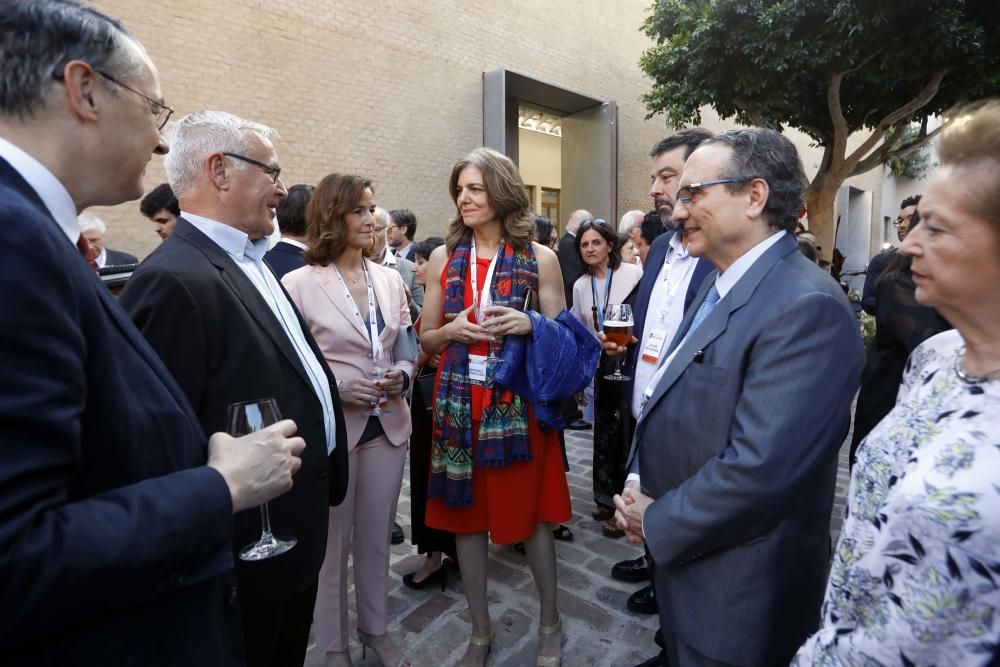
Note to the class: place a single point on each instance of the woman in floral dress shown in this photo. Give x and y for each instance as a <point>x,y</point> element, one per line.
<point>916,573</point>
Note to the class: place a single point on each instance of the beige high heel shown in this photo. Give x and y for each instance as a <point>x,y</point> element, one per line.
<point>486,641</point>
<point>365,640</point>
<point>549,660</point>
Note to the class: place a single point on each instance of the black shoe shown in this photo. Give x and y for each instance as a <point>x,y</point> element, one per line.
<point>438,576</point>
<point>398,536</point>
<point>643,601</point>
<point>562,533</point>
<point>578,425</point>
<point>634,570</point>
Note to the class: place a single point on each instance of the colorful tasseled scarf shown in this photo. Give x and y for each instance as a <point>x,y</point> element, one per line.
<point>503,430</point>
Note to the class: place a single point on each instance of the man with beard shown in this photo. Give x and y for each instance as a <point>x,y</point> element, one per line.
<point>670,280</point>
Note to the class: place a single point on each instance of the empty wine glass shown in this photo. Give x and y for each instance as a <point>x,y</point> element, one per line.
<point>380,365</point>
<point>242,419</point>
<point>618,330</point>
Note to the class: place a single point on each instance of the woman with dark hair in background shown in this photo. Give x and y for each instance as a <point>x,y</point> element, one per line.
<point>606,281</point>
<point>901,324</point>
<point>428,540</point>
<point>495,474</point>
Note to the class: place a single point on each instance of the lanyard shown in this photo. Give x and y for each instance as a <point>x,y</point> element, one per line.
<point>372,316</point>
<point>482,303</point>
<point>597,308</point>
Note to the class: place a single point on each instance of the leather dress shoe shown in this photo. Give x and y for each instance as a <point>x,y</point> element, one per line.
<point>634,570</point>
<point>578,425</point>
<point>398,536</point>
<point>643,601</point>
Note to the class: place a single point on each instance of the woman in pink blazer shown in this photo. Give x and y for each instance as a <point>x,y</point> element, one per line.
<point>348,302</point>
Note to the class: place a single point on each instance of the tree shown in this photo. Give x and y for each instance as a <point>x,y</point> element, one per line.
<point>827,67</point>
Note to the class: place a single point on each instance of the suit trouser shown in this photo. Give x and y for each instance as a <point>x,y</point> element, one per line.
<point>677,652</point>
<point>276,632</point>
<point>363,521</point>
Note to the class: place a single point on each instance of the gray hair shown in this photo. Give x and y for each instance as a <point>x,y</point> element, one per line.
<point>630,220</point>
<point>88,221</point>
<point>576,219</point>
<point>382,215</point>
<point>38,38</point>
<point>196,136</point>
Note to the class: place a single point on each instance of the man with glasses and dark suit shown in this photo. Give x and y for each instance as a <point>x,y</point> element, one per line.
<point>116,510</point>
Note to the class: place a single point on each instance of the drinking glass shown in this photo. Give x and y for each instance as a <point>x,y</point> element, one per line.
<point>495,341</point>
<point>618,325</point>
<point>242,419</point>
<point>376,372</point>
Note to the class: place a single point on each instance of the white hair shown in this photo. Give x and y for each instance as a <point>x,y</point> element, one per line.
<point>88,221</point>
<point>576,219</point>
<point>630,220</point>
<point>196,136</point>
<point>382,215</point>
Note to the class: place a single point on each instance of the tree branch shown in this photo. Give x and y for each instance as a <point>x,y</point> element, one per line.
<point>841,130</point>
<point>902,113</point>
<point>748,109</point>
<point>881,157</point>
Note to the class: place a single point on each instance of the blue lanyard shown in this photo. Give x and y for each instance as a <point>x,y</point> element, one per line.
<point>599,310</point>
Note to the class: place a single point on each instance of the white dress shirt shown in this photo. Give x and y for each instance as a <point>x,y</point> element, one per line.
<point>48,188</point>
<point>249,256</point>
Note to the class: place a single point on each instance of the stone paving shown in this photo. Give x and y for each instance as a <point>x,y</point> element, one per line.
<point>433,626</point>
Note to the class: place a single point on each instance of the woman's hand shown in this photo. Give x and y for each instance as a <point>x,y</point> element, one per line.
<point>505,321</point>
<point>394,385</point>
<point>359,391</point>
<point>462,330</point>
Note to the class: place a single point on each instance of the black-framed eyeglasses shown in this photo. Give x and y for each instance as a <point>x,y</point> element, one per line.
<point>901,221</point>
<point>274,170</point>
<point>161,112</point>
<point>686,194</point>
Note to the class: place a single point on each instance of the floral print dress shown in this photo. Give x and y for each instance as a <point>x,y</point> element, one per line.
<point>916,573</point>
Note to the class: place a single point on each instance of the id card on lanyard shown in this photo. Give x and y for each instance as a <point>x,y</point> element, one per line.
<point>372,315</point>
<point>478,365</point>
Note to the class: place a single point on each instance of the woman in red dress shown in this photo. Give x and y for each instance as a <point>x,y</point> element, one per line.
<point>495,474</point>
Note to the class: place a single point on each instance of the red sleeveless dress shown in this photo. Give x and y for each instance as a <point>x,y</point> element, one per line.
<point>507,502</point>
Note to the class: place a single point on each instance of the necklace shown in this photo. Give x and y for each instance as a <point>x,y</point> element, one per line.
<point>968,378</point>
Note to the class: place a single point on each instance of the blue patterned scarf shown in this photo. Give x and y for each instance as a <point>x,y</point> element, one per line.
<point>503,430</point>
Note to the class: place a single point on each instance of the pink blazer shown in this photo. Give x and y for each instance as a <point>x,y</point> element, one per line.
<point>320,297</point>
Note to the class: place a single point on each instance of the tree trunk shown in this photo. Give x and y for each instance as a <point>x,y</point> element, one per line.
<point>820,198</point>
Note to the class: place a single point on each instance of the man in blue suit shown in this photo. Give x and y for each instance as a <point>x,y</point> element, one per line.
<point>737,440</point>
<point>116,511</point>
<point>286,255</point>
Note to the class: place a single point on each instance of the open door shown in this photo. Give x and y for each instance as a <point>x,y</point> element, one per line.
<point>590,162</point>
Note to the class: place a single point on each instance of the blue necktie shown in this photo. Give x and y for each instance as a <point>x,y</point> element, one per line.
<point>706,307</point>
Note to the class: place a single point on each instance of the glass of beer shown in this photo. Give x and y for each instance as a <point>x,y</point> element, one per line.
<point>618,329</point>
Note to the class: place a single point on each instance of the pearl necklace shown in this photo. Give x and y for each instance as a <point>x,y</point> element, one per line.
<point>968,378</point>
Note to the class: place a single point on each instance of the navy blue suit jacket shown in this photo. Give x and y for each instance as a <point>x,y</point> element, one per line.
<point>114,536</point>
<point>284,257</point>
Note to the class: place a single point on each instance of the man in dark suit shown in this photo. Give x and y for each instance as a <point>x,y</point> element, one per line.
<point>94,230</point>
<point>877,264</point>
<point>286,255</point>
<point>569,261</point>
<point>738,437</point>
<point>400,232</point>
<point>226,329</point>
<point>114,533</point>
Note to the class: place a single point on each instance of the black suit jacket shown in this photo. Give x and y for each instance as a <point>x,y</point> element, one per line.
<point>114,536</point>
<point>284,257</point>
<point>118,258</point>
<point>223,344</point>
<point>869,293</point>
<point>570,264</point>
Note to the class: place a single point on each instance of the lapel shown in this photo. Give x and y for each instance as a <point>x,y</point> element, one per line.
<point>244,290</point>
<point>326,278</point>
<point>718,320</point>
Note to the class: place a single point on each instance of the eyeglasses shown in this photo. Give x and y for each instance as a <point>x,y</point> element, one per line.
<point>269,168</point>
<point>594,223</point>
<point>161,112</point>
<point>686,194</point>
<point>900,221</point>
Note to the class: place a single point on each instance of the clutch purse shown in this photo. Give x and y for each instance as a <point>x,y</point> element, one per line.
<point>405,347</point>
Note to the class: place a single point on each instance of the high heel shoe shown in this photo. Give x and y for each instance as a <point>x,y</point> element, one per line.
<point>366,641</point>
<point>549,660</point>
<point>438,576</point>
<point>485,640</point>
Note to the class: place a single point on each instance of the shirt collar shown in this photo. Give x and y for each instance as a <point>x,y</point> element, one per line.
<point>677,248</point>
<point>233,241</point>
<point>48,188</point>
<point>298,244</point>
<point>102,259</point>
<point>728,280</point>
<point>388,259</point>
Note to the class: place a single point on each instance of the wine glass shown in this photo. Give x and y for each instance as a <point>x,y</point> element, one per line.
<point>242,419</point>
<point>380,364</point>
<point>618,325</point>
<point>495,341</point>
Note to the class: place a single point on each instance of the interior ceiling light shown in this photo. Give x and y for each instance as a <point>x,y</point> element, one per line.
<point>539,121</point>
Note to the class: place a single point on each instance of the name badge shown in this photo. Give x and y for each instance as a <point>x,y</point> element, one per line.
<point>477,369</point>
<point>654,345</point>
